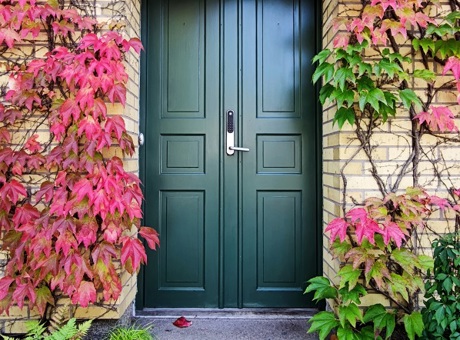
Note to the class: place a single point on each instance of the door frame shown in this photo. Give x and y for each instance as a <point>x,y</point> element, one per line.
<point>318,139</point>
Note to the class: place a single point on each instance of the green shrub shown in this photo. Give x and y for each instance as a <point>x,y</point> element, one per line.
<point>134,332</point>
<point>441,314</point>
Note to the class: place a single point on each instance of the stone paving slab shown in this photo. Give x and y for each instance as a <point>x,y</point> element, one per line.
<point>226,325</point>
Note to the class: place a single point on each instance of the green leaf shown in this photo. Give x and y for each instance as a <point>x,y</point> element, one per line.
<point>340,248</point>
<point>326,70</point>
<point>408,98</point>
<point>322,287</point>
<point>406,259</point>
<point>399,285</point>
<point>349,275</point>
<point>452,17</point>
<point>363,68</point>
<point>413,324</point>
<point>390,67</point>
<point>347,333</point>
<point>344,75</point>
<point>343,96</point>
<point>441,30</point>
<point>426,262</point>
<point>323,323</point>
<point>365,84</point>
<point>325,93</point>
<point>382,319</point>
<point>344,114</point>
<point>427,44</point>
<point>427,75</point>
<point>353,294</point>
<point>447,285</point>
<point>321,56</point>
<point>374,98</point>
<point>350,313</point>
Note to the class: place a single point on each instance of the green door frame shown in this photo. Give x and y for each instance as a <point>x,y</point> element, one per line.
<point>318,123</point>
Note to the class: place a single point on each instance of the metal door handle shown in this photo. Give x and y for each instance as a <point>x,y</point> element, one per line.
<point>237,148</point>
<point>231,148</point>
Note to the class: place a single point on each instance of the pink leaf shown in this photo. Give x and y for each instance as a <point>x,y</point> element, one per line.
<point>85,294</point>
<point>151,236</point>
<point>367,228</point>
<point>338,227</point>
<point>357,214</point>
<point>442,203</point>
<point>452,64</point>
<point>182,322</point>
<point>133,251</point>
<point>393,232</point>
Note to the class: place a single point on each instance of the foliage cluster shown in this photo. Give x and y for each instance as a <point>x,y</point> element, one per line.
<point>384,68</point>
<point>69,331</point>
<point>441,313</point>
<point>133,332</point>
<point>69,211</point>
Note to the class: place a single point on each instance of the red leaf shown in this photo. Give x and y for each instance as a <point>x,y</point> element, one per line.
<point>393,231</point>
<point>23,291</point>
<point>5,283</point>
<point>357,214</point>
<point>32,145</point>
<point>85,294</point>
<point>151,236</point>
<point>442,203</point>
<point>338,227</point>
<point>452,64</point>
<point>182,322</point>
<point>47,190</point>
<point>134,252</point>
<point>367,228</point>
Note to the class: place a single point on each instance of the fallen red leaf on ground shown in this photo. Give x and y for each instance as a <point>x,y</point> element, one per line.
<point>182,322</point>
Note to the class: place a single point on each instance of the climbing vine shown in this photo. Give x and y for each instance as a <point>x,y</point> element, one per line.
<point>69,211</point>
<point>390,64</point>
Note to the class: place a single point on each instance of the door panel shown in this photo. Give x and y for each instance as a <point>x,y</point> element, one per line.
<point>278,178</point>
<point>181,157</point>
<point>236,231</point>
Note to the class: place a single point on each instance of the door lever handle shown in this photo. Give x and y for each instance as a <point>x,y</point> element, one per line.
<point>231,148</point>
<point>237,148</point>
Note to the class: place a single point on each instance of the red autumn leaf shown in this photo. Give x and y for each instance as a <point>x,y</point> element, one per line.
<point>442,203</point>
<point>367,228</point>
<point>393,232</point>
<point>46,190</point>
<point>357,214</point>
<point>5,135</point>
<point>116,125</point>
<point>151,236</point>
<point>83,188</point>
<point>24,291</point>
<point>85,294</point>
<point>452,64</point>
<point>26,213</point>
<point>182,322</point>
<point>12,190</point>
<point>5,283</point>
<point>118,93</point>
<point>338,227</point>
<point>134,252</point>
<point>9,36</point>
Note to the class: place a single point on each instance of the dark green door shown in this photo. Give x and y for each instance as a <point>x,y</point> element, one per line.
<point>236,230</point>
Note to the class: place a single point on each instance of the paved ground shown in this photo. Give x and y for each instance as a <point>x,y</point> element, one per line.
<point>230,324</point>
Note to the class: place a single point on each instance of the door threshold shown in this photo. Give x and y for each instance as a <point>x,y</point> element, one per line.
<point>227,313</point>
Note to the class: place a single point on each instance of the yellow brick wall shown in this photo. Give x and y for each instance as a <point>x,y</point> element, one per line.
<point>128,14</point>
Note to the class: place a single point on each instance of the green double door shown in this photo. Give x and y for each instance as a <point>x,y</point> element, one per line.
<point>236,230</point>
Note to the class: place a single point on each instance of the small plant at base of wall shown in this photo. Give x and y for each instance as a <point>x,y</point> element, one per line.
<point>442,305</point>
